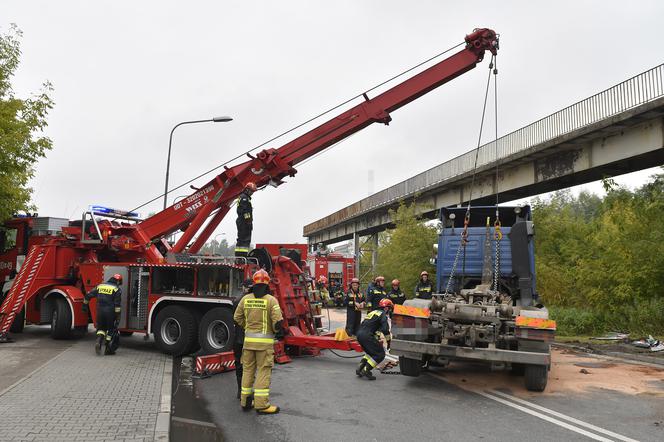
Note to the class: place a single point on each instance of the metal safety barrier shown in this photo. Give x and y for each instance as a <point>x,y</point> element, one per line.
<point>624,96</point>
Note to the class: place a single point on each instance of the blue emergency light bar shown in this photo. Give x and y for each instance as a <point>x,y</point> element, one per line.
<point>109,211</point>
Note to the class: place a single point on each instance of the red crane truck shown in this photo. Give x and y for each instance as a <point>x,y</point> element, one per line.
<point>185,300</point>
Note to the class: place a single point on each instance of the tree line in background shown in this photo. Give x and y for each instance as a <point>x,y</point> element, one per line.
<point>403,252</point>
<point>600,261</point>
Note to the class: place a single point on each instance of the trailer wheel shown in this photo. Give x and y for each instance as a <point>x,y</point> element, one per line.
<point>536,377</point>
<point>217,332</point>
<point>60,319</point>
<point>175,330</point>
<point>19,322</point>
<point>410,367</point>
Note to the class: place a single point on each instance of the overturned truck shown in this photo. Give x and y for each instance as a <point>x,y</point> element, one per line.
<point>486,308</point>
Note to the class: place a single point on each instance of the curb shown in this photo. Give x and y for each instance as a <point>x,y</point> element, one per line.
<point>163,426</point>
<point>627,357</point>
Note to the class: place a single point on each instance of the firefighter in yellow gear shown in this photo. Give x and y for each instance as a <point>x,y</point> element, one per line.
<point>259,314</point>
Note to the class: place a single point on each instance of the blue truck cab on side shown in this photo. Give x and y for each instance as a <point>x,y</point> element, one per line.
<point>516,250</point>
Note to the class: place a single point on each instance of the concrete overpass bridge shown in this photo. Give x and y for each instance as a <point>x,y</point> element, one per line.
<point>613,132</point>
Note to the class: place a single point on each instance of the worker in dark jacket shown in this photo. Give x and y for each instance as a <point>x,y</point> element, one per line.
<point>375,322</point>
<point>376,292</point>
<point>396,295</point>
<point>108,296</point>
<point>424,288</point>
<point>355,302</point>
<point>239,337</point>
<point>244,221</point>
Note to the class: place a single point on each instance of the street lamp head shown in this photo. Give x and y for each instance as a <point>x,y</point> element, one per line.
<point>222,119</point>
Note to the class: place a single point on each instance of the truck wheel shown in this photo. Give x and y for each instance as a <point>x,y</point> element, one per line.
<point>536,377</point>
<point>126,334</point>
<point>175,330</point>
<point>19,322</point>
<point>410,367</point>
<point>60,319</point>
<point>217,332</point>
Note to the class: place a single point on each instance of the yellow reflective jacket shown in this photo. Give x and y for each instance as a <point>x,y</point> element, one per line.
<point>257,316</point>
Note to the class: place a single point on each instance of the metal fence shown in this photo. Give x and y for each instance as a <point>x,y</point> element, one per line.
<point>633,92</point>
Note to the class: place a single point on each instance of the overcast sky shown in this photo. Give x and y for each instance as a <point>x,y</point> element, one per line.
<point>125,72</point>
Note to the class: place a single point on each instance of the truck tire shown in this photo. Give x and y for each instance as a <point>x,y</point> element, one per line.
<point>536,377</point>
<point>410,367</point>
<point>176,330</point>
<point>60,319</point>
<point>19,322</point>
<point>126,334</point>
<point>216,333</point>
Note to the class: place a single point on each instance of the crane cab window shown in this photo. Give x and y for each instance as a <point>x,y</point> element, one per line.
<point>218,281</point>
<point>172,280</point>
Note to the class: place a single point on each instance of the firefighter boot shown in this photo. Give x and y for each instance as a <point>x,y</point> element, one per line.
<point>99,343</point>
<point>272,409</point>
<point>366,372</point>
<point>249,404</point>
<point>107,350</point>
<point>358,370</point>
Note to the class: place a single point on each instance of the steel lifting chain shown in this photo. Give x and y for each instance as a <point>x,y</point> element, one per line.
<point>462,245</point>
<point>497,236</point>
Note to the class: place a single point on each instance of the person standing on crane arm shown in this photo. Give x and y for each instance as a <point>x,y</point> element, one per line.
<point>259,314</point>
<point>376,322</point>
<point>245,220</point>
<point>108,296</point>
<point>424,288</point>
<point>354,304</point>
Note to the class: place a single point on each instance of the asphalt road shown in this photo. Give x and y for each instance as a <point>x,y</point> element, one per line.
<point>322,399</point>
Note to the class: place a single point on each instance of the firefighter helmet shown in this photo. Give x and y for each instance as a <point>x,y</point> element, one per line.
<point>322,279</point>
<point>380,278</point>
<point>118,278</point>
<point>395,282</point>
<point>386,303</point>
<point>251,186</point>
<point>424,273</point>
<point>261,277</point>
<point>354,281</point>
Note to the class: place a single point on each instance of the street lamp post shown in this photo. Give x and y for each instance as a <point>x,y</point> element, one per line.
<point>170,142</point>
<point>215,238</point>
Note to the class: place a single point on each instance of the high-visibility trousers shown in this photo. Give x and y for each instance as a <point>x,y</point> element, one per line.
<point>374,351</point>
<point>243,241</point>
<point>105,321</point>
<point>256,375</point>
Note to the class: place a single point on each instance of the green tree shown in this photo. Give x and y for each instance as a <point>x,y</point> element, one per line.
<point>407,249</point>
<point>22,122</point>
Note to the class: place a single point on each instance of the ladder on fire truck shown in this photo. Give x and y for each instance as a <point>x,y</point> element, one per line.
<point>26,285</point>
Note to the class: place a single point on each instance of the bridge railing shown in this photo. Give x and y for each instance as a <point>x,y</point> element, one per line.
<point>632,92</point>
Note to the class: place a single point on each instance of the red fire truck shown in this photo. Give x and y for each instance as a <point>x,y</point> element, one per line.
<point>169,291</point>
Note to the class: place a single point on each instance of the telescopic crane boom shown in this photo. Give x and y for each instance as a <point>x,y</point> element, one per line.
<point>270,166</point>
